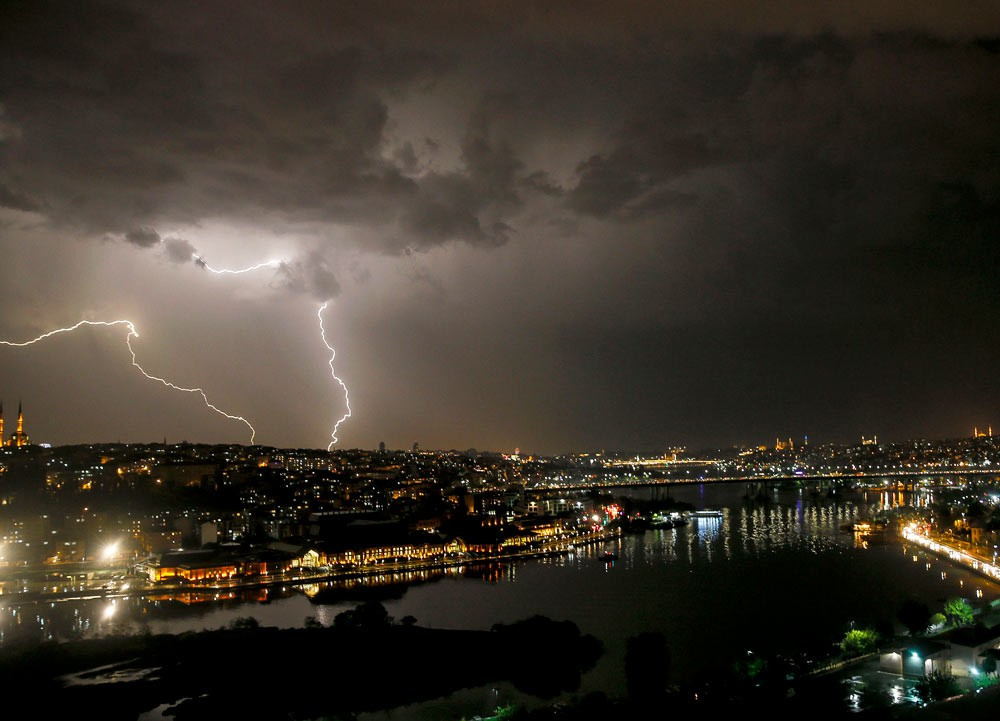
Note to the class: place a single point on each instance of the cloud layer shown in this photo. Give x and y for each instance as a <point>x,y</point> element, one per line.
<point>676,224</point>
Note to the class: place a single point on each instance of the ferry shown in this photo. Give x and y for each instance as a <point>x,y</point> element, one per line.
<point>707,513</point>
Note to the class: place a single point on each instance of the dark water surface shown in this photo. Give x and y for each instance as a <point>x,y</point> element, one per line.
<point>777,577</point>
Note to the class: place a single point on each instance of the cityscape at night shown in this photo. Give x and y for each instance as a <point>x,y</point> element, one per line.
<point>108,541</point>
<point>564,360</point>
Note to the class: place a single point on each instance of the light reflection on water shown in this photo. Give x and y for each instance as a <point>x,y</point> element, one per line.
<point>776,574</point>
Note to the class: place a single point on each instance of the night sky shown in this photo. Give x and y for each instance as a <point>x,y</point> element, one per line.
<point>593,226</point>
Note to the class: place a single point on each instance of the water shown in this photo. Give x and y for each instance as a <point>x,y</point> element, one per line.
<point>782,577</point>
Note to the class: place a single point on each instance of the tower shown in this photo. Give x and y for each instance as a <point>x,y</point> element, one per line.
<point>18,438</point>
<point>1,422</point>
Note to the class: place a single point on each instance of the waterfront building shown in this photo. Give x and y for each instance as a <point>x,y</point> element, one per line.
<point>213,565</point>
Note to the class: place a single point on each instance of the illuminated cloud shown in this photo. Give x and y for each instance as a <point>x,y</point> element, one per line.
<point>690,222</point>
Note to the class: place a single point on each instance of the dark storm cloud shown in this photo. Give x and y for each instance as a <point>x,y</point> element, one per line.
<point>471,204</point>
<point>179,250</point>
<point>676,187</point>
<point>143,237</point>
<point>176,250</point>
<point>828,151</point>
<point>15,200</point>
<point>152,126</point>
<point>309,275</point>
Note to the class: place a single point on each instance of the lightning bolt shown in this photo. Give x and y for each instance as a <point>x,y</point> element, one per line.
<point>133,333</point>
<point>322,331</point>
<point>249,269</point>
<point>333,354</point>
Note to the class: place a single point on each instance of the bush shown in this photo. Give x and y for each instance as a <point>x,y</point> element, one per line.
<point>936,686</point>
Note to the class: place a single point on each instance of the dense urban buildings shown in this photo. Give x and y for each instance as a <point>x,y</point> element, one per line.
<point>317,508</point>
<point>197,524</point>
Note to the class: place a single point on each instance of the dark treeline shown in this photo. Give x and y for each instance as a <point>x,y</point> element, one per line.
<point>364,662</point>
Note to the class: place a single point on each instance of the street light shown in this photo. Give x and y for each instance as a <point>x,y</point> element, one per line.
<point>109,552</point>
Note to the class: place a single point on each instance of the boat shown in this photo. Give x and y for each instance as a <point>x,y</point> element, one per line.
<point>609,556</point>
<point>865,528</point>
<point>707,513</point>
<point>660,521</point>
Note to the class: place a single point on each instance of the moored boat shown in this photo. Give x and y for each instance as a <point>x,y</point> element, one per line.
<point>661,521</point>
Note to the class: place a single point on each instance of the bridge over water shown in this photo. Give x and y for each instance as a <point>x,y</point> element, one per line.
<point>909,477</point>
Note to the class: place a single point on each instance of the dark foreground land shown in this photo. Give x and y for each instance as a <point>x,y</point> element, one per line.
<point>365,662</point>
<point>307,673</point>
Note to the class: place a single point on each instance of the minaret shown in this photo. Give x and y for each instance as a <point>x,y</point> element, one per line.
<point>19,438</point>
<point>1,423</point>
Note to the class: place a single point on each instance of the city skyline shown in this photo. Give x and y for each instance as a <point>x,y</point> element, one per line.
<point>19,438</point>
<point>557,229</point>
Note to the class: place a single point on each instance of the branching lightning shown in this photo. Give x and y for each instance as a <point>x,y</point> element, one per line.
<point>333,355</point>
<point>133,333</point>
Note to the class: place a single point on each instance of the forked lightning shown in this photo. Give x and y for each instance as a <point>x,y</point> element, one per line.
<point>133,333</point>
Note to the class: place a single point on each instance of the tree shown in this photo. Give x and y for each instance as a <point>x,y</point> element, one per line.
<point>344,619</point>
<point>369,616</point>
<point>916,616</point>
<point>958,611</point>
<point>989,665</point>
<point>859,641</point>
<point>243,623</point>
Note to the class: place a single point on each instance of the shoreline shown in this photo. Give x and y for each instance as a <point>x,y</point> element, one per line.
<point>563,547</point>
